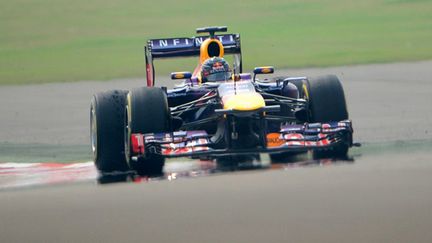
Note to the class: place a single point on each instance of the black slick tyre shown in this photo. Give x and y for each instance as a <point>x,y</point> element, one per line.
<point>326,104</point>
<point>326,99</point>
<point>147,111</point>
<point>106,130</point>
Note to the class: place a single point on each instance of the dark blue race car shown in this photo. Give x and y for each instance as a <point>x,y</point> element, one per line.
<point>216,112</point>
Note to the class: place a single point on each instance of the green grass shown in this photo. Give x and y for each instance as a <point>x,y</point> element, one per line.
<point>59,40</point>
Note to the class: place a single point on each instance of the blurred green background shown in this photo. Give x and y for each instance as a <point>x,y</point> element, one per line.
<point>61,40</point>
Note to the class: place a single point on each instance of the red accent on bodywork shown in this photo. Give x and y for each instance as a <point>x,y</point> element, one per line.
<point>137,141</point>
<point>294,136</point>
<point>149,75</point>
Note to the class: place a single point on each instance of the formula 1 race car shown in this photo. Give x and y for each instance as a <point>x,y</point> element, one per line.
<point>216,112</point>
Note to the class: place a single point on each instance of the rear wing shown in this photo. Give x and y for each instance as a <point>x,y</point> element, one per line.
<point>186,47</point>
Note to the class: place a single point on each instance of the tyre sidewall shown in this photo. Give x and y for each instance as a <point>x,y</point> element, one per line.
<point>106,117</point>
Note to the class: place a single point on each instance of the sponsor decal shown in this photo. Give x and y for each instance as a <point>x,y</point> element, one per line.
<point>274,140</point>
<point>179,43</point>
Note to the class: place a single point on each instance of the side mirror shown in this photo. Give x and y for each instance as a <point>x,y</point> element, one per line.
<point>262,70</point>
<point>181,75</point>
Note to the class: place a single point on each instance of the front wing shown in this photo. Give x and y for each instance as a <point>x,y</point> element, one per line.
<point>290,138</point>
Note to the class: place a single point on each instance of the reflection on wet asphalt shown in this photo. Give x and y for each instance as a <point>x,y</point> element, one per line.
<point>198,168</point>
<point>25,175</point>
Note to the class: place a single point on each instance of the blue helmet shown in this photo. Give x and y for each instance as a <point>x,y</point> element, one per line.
<point>215,69</point>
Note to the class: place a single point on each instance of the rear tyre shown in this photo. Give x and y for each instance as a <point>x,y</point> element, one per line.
<point>147,112</point>
<point>327,103</point>
<point>106,130</point>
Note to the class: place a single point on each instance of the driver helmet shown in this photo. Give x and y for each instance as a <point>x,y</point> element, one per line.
<point>215,69</point>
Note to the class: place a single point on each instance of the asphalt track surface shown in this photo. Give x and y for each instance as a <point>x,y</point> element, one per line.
<point>383,195</point>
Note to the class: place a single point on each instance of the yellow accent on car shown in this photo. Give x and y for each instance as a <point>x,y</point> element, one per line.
<point>305,90</point>
<point>179,75</point>
<point>204,49</point>
<point>244,102</point>
<point>266,70</point>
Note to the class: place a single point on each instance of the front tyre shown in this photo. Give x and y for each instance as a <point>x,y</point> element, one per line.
<point>327,104</point>
<point>106,130</point>
<point>146,111</point>
<point>326,99</point>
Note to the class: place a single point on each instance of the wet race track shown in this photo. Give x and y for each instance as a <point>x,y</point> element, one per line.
<point>15,176</point>
<point>381,193</point>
